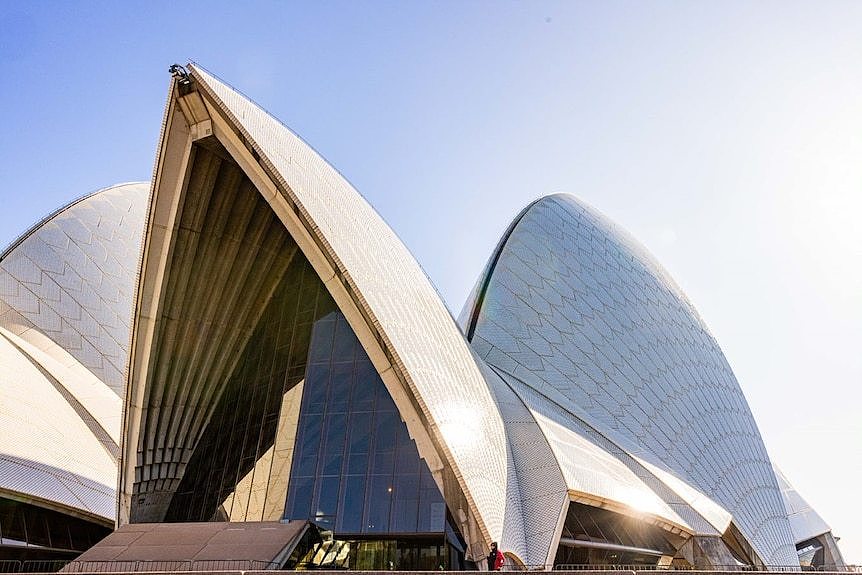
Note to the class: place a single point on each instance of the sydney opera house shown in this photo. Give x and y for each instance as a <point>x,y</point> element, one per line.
<point>245,342</point>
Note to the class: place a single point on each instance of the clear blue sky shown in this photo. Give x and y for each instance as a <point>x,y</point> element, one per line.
<point>727,136</point>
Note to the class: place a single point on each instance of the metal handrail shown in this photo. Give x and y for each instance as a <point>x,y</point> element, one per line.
<point>114,566</point>
<point>170,566</point>
<point>715,568</point>
<point>248,566</point>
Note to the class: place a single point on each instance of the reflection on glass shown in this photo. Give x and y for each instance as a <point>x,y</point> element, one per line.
<point>238,471</point>
<point>282,453</point>
<point>584,522</point>
<point>380,494</point>
<point>353,504</point>
<point>349,427</point>
<point>306,429</point>
<point>416,554</point>
<point>300,493</point>
<point>405,503</point>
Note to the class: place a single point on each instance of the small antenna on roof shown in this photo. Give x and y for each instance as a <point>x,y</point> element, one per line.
<point>181,74</point>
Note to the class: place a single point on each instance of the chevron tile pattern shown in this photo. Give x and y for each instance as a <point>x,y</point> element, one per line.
<point>585,317</point>
<point>71,279</point>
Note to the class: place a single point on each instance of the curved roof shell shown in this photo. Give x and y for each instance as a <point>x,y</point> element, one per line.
<point>416,327</point>
<point>610,356</point>
<point>398,316</point>
<point>805,522</point>
<point>66,288</point>
<point>69,281</point>
<point>51,452</point>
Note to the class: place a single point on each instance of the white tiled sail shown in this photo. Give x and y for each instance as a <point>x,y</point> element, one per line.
<point>47,451</point>
<point>805,523</point>
<point>574,307</point>
<point>66,289</point>
<point>417,329</point>
<point>536,490</point>
<point>71,280</point>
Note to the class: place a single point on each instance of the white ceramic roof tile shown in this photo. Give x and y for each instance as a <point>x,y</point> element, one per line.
<point>648,374</point>
<point>804,521</point>
<point>592,470</point>
<point>74,267</point>
<point>46,450</point>
<point>93,395</point>
<point>709,509</point>
<point>536,490</point>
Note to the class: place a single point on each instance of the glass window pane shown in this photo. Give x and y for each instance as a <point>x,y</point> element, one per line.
<point>306,466</point>
<point>339,387</point>
<point>432,515</point>
<point>383,399</point>
<point>321,340</point>
<point>345,341</point>
<point>361,356</point>
<point>336,430</point>
<point>365,388</point>
<point>332,462</point>
<point>386,428</point>
<point>360,432</point>
<point>303,489</point>
<point>407,459</point>
<point>383,463</point>
<point>350,515</point>
<point>310,434</point>
<point>327,501</point>
<point>316,386</point>
<point>357,463</point>
<point>405,503</point>
<point>432,509</point>
<point>80,538</point>
<point>59,532</point>
<point>12,522</point>
<point>379,500</point>
<point>429,558</point>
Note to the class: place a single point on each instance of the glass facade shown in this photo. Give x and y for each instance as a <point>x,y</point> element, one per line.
<point>811,554</point>
<point>240,468</point>
<point>356,469</point>
<point>595,525</point>
<point>306,429</point>
<point>28,531</point>
<point>379,555</point>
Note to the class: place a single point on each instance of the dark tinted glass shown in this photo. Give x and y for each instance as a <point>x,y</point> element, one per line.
<point>584,522</point>
<point>235,454</point>
<point>405,503</point>
<point>300,496</point>
<point>379,500</point>
<point>24,524</point>
<point>304,396</point>
<point>363,439</point>
<point>353,504</point>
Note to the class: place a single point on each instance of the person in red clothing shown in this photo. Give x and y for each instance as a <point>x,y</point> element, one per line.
<point>495,558</point>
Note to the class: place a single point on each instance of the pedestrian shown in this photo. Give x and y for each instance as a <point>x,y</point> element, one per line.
<point>495,558</point>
